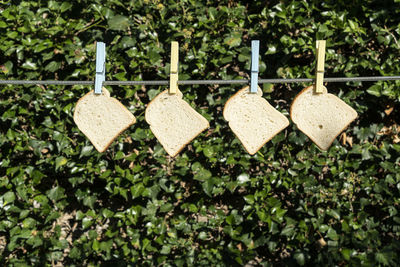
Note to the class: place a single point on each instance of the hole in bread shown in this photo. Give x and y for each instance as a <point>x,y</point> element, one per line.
<point>320,126</point>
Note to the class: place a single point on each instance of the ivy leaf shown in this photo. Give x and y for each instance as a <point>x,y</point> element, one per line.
<point>234,40</point>
<point>375,90</point>
<point>333,213</point>
<point>86,150</point>
<point>8,197</point>
<point>60,161</point>
<point>203,236</point>
<point>299,257</point>
<point>165,250</point>
<point>56,193</point>
<point>118,23</point>
<point>65,6</point>
<point>53,66</point>
<point>29,65</point>
<point>382,258</point>
<point>346,253</point>
<point>203,175</point>
<point>86,222</point>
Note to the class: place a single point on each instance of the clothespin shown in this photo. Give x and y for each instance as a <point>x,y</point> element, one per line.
<point>173,76</point>
<point>100,67</point>
<point>319,74</point>
<point>255,50</point>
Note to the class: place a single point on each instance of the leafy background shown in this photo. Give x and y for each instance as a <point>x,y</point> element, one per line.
<point>63,203</point>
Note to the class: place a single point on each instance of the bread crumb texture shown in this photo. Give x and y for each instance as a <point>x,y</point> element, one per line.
<point>322,117</point>
<point>173,121</point>
<point>102,118</point>
<point>252,119</point>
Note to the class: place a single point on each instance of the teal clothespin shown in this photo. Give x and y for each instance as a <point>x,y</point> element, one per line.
<point>255,50</point>
<point>100,67</point>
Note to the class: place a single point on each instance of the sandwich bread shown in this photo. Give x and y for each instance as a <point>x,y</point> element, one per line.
<point>253,120</point>
<point>173,121</point>
<point>102,118</point>
<point>322,117</point>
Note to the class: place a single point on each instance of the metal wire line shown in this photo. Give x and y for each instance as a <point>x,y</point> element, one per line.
<point>200,82</point>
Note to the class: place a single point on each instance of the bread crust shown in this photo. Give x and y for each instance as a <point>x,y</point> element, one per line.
<point>133,121</point>
<point>325,91</point>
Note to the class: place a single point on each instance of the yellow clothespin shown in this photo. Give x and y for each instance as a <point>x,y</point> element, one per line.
<point>319,74</point>
<point>173,78</point>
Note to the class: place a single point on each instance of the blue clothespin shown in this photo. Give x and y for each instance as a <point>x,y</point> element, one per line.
<point>100,67</point>
<point>255,50</point>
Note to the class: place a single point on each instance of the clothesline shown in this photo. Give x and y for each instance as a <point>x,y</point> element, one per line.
<point>202,82</point>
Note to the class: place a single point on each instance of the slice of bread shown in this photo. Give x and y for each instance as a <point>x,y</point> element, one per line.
<point>173,121</point>
<point>322,117</point>
<point>253,120</point>
<point>102,118</point>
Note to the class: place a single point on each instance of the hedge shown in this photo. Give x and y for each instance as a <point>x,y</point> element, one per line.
<point>63,203</point>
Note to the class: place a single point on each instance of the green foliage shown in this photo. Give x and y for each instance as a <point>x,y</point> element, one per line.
<point>290,204</point>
